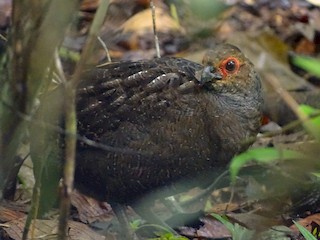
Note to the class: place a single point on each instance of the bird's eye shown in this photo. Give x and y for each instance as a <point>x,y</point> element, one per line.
<point>230,65</point>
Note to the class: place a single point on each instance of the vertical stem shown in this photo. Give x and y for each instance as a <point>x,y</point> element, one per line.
<point>70,150</point>
<point>71,122</point>
<point>35,36</point>
<point>156,40</point>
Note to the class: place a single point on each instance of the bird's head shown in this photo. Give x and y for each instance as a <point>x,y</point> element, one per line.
<point>226,69</point>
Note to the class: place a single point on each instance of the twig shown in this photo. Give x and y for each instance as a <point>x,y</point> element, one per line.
<point>156,40</point>
<point>291,102</point>
<point>88,47</point>
<point>69,166</point>
<point>292,125</point>
<point>58,67</point>
<point>89,142</point>
<point>208,190</point>
<point>285,95</point>
<point>3,38</point>
<point>105,48</point>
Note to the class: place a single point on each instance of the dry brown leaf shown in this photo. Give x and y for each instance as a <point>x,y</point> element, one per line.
<point>142,22</point>
<point>7,214</point>
<point>221,208</point>
<point>89,209</point>
<point>306,222</point>
<point>213,229</point>
<point>88,5</point>
<point>47,229</point>
<point>253,221</point>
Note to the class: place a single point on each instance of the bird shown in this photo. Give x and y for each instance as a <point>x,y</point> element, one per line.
<point>162,126</point>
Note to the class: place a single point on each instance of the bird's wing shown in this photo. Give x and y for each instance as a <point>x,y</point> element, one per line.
<point>150,117</point>
<point>133,92</point>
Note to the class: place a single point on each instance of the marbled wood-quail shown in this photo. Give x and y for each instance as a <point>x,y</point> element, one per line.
<point>163,125</point>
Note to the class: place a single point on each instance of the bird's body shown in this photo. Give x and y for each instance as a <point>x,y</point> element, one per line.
<point>155,124</point>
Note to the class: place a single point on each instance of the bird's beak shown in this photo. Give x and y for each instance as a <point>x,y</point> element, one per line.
<point>208,74</point>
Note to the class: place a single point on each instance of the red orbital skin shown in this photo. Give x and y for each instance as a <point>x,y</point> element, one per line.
<point>229,66</point>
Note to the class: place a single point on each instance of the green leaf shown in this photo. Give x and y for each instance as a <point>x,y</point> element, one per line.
<point>135,224</point>
<point>261,155</point>
<point>169,236</point>
<point>224,221</point>
<point>69,54</point>
<point>174,13</point>
<point>238,232</point>
<point>207,9</point>
<point>305,233</point>
<point>45,150</point>
<point>316,174</point>
<point>163,234</point>
<point>312,125</point>
<point>307,63</point>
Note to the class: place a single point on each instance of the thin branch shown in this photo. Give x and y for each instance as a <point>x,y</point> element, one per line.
<point>87,141</point>
<point>288,127</point>
<point>292,103</point>
<point>156,40</point>
<point>60,76</point>
<point>3,38</point>
<point>88,47</point>
<point>285,95</point>
<point>69,166</point>
<point>105,48</point>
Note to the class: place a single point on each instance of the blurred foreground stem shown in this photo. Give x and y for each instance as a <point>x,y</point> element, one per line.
<point>71,122</point>
<point>69,166</point>
<point>35,34</point>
